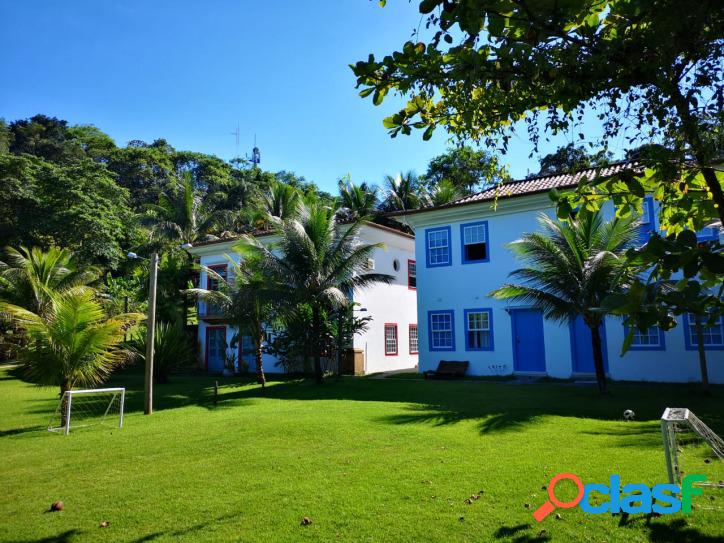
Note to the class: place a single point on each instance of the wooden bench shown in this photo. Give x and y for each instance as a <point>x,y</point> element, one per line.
<point>448,369</point>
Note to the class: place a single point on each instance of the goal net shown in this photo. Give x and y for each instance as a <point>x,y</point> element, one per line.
<point>690,447</point>
<point>81,408</point>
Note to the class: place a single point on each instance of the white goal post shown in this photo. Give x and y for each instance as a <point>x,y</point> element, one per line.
<point>88,407</point>
<point>677,421</point>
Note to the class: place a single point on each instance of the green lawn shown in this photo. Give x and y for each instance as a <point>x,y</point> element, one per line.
<point>365,459</point>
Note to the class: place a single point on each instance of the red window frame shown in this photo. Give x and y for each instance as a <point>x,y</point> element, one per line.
<point>206,347</point>
<point>409,338</point>
<point>411,261</point>
<point>393,326</point>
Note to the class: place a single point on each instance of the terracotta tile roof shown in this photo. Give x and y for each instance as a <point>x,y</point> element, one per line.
<point>531,185</point>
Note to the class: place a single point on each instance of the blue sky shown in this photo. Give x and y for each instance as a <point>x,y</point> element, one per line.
<point>188,71</point>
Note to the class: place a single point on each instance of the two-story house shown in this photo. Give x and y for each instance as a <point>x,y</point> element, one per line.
<point>462,256</point>
<point>390,341</point>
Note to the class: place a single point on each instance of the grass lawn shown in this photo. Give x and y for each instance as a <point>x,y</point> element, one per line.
<point>365,459</point>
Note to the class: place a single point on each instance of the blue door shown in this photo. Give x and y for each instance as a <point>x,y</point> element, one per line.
<point>215,348</point>
<point>528,345</point>
<point>582,349</point>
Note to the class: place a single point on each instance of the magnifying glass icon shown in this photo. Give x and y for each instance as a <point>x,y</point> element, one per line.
<point>548,507</point>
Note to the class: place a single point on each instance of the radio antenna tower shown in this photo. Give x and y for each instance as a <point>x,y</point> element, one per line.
<point>236,133</point>
<point>255,158</point>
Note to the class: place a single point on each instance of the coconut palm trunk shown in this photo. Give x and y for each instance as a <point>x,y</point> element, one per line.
<point>316,339</point>
<point>258,341</point>
<point>598,357</point>
<point>702,353</point>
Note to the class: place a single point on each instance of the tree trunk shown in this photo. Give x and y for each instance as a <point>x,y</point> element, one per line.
<point>598,358</point>
<point>702,354</point>
<point>693,138</point>
<point>316,342</point>
<point>260,378</point>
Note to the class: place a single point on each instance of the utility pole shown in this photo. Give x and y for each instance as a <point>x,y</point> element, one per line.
<point>151,335</point>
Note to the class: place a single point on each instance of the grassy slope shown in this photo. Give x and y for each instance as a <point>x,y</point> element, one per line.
<point>366,460</point>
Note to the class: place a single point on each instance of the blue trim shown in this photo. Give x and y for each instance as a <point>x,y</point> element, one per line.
<point>487,310</point>
<point>660,347</point>
<point>692,346</point>
<point>574,345</point>
<point>427,247</point>
<point>487,242</point>
<point>429,329</point>
<point>647,228</point>
<point>713,236</point>
<point>513,311</point>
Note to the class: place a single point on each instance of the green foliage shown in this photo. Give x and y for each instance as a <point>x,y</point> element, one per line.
<point>444,192</point>
<point>29,278</point>
<point>173,350</point>
<point>357,201</point>
<point>571,158</point>
<point>72,343</point>
<point>331,448</point>
<point>316,262</point>
<point>467,169</point>
<point>78,206</point>
<point>182,215</point>
<point>248,299</point>
<point>402,192</point>
<point>571,268</point>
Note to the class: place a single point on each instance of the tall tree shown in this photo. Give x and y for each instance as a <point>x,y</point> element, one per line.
<point>316,262</point>
<point>76,205</point>
<point>249,300</point>
<point>182,214</point>
<point>649,64</point>
<point>570,158</point>
<point>357,200</point>
<point>466,168</point>
<point>402,192</point>
<point>571,268</point>
<point>649,70</point>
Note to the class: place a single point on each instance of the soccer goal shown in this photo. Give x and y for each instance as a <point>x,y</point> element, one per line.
<point>80,408</point>
<point>691,444</point>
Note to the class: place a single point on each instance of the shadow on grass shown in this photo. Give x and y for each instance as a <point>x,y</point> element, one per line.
<point>515,535</point>
<point>185,531</point>
<point>498,408</point>
<point>65,537</point>
<point>494,407</point>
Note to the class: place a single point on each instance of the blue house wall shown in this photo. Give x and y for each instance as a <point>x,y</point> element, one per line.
<point>457,286</point>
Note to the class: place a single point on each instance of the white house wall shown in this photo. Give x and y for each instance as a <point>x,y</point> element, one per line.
<point>464,286</point>
<point>393,303</point>
<point>388,304</point>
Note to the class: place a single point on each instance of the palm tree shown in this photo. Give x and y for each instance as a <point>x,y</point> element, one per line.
<point>29,277</point>
<point>317,261</point>
<point>360,200</point>
<point>572,267</point>
<point>72,343</point>
<point>281,200</point>
<point>444,192</point>
<point>402,192</point>
<point>248,300</point>
<point>181,214</point>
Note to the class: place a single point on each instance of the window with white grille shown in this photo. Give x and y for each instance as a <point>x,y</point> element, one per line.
<point>390,339</point>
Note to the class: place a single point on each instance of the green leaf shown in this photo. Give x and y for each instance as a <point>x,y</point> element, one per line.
<point>379,96</point>
<point>428,133</point>
<point>364,93</point>
<point>426,6</point>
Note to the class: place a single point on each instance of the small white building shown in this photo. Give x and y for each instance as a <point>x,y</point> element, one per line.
<point>462,256</point>
<point>390,341</point>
